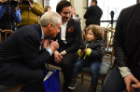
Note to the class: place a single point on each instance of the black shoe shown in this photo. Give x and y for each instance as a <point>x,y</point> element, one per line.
<point>72,84</point>
<point>92,89</point>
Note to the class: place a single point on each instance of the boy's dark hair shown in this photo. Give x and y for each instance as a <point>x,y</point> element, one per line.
<point>61,5</point>
<point>97,31</point>
<point>95,1</point>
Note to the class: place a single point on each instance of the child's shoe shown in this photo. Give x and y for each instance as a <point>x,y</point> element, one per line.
<point>72,83</point>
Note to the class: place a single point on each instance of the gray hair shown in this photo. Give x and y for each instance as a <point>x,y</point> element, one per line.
<point>50,17</point>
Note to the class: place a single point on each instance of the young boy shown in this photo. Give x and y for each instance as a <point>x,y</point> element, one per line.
<point>90,54</point>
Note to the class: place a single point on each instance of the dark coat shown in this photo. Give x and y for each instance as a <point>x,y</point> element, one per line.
<point>21,49</point>
<point>93,15</point>
<point>73,38</point>
<point>127,35</point>
<point>98,50</point>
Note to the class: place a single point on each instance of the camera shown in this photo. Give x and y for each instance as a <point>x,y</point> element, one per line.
<point>25,2</point>
<point>12,3</point>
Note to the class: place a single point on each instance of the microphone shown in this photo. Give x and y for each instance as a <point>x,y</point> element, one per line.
<point>112,16</point>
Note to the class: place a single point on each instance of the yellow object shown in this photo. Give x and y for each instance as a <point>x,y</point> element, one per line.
<point>34,14</point>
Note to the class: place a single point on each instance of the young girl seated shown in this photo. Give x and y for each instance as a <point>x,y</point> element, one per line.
<point>90,53</point>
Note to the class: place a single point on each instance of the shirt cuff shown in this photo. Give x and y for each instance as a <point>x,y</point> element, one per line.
<point>65,51</point>
<point>124,71</point>
<point>49,50</point>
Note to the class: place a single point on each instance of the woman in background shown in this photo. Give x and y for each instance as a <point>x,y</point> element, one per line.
<point>47,8</point>
<point>74,13</point>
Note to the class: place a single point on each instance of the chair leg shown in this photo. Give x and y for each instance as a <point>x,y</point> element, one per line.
<point>82,79</point>
<point>102,82</point>
<point>47,66</point>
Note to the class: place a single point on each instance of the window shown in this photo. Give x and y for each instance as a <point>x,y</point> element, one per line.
<point>116,5</point>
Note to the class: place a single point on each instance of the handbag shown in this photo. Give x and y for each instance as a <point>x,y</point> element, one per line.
<point>51,81</point>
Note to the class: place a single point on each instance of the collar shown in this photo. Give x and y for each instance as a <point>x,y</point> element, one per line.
<point>65,23</point>
<point>42,36</point>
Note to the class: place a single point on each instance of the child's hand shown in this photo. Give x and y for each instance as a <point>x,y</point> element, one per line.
<point>85,50</point>
<point>81,52</point>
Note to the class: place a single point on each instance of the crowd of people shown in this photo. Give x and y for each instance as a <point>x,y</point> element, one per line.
<point>60,38</point>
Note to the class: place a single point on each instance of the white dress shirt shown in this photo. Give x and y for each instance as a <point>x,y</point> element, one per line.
<point>63,32</point>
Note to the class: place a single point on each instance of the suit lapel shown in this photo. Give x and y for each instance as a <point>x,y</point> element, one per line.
<point>69,25</point>
<point>39,30</point>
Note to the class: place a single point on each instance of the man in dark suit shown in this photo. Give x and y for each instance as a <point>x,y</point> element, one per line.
<point>69,40</point>
<point>127,52</point>
<point>93,14</point>
<point>20,57</point>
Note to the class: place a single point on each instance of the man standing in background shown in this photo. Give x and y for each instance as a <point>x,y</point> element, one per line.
<point>93,14</point>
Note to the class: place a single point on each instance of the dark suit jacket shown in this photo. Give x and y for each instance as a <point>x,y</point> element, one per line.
<point>127,35</point>
<point>93,15</point>
<point>73,38</point>
<point>21,49</point>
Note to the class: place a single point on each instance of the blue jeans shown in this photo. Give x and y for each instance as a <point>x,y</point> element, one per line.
<point>115,82</point>
<point>94,69</point>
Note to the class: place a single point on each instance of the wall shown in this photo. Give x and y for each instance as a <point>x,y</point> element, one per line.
<point>79,4</point>
<point>39,1</point>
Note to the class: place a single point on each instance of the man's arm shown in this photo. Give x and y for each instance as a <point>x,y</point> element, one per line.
<point>77,39</point>
<point>30,51</point>
<point>119,48</point>
<point>37,9</point>
<point>87,13</point>
<point>17,15</point>
<point>2,9</point>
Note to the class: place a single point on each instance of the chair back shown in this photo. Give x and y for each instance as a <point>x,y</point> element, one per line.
<point>83,36</point>
<point>5,32</point>
<point>109,34</point>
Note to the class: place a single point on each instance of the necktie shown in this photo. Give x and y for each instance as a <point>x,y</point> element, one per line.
<point>41,42</point>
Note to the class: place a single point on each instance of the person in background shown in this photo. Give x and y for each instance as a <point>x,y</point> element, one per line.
<point>93,14</point>
<point>9,15</point>
<point>20,57</point>
<point>125,74</point>
<point>90,54</point>
<point>73,12</point>
<point>47,8</point>
<point>30,13</point>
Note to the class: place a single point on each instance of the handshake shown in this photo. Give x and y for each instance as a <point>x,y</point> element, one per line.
<point>53,45</point>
